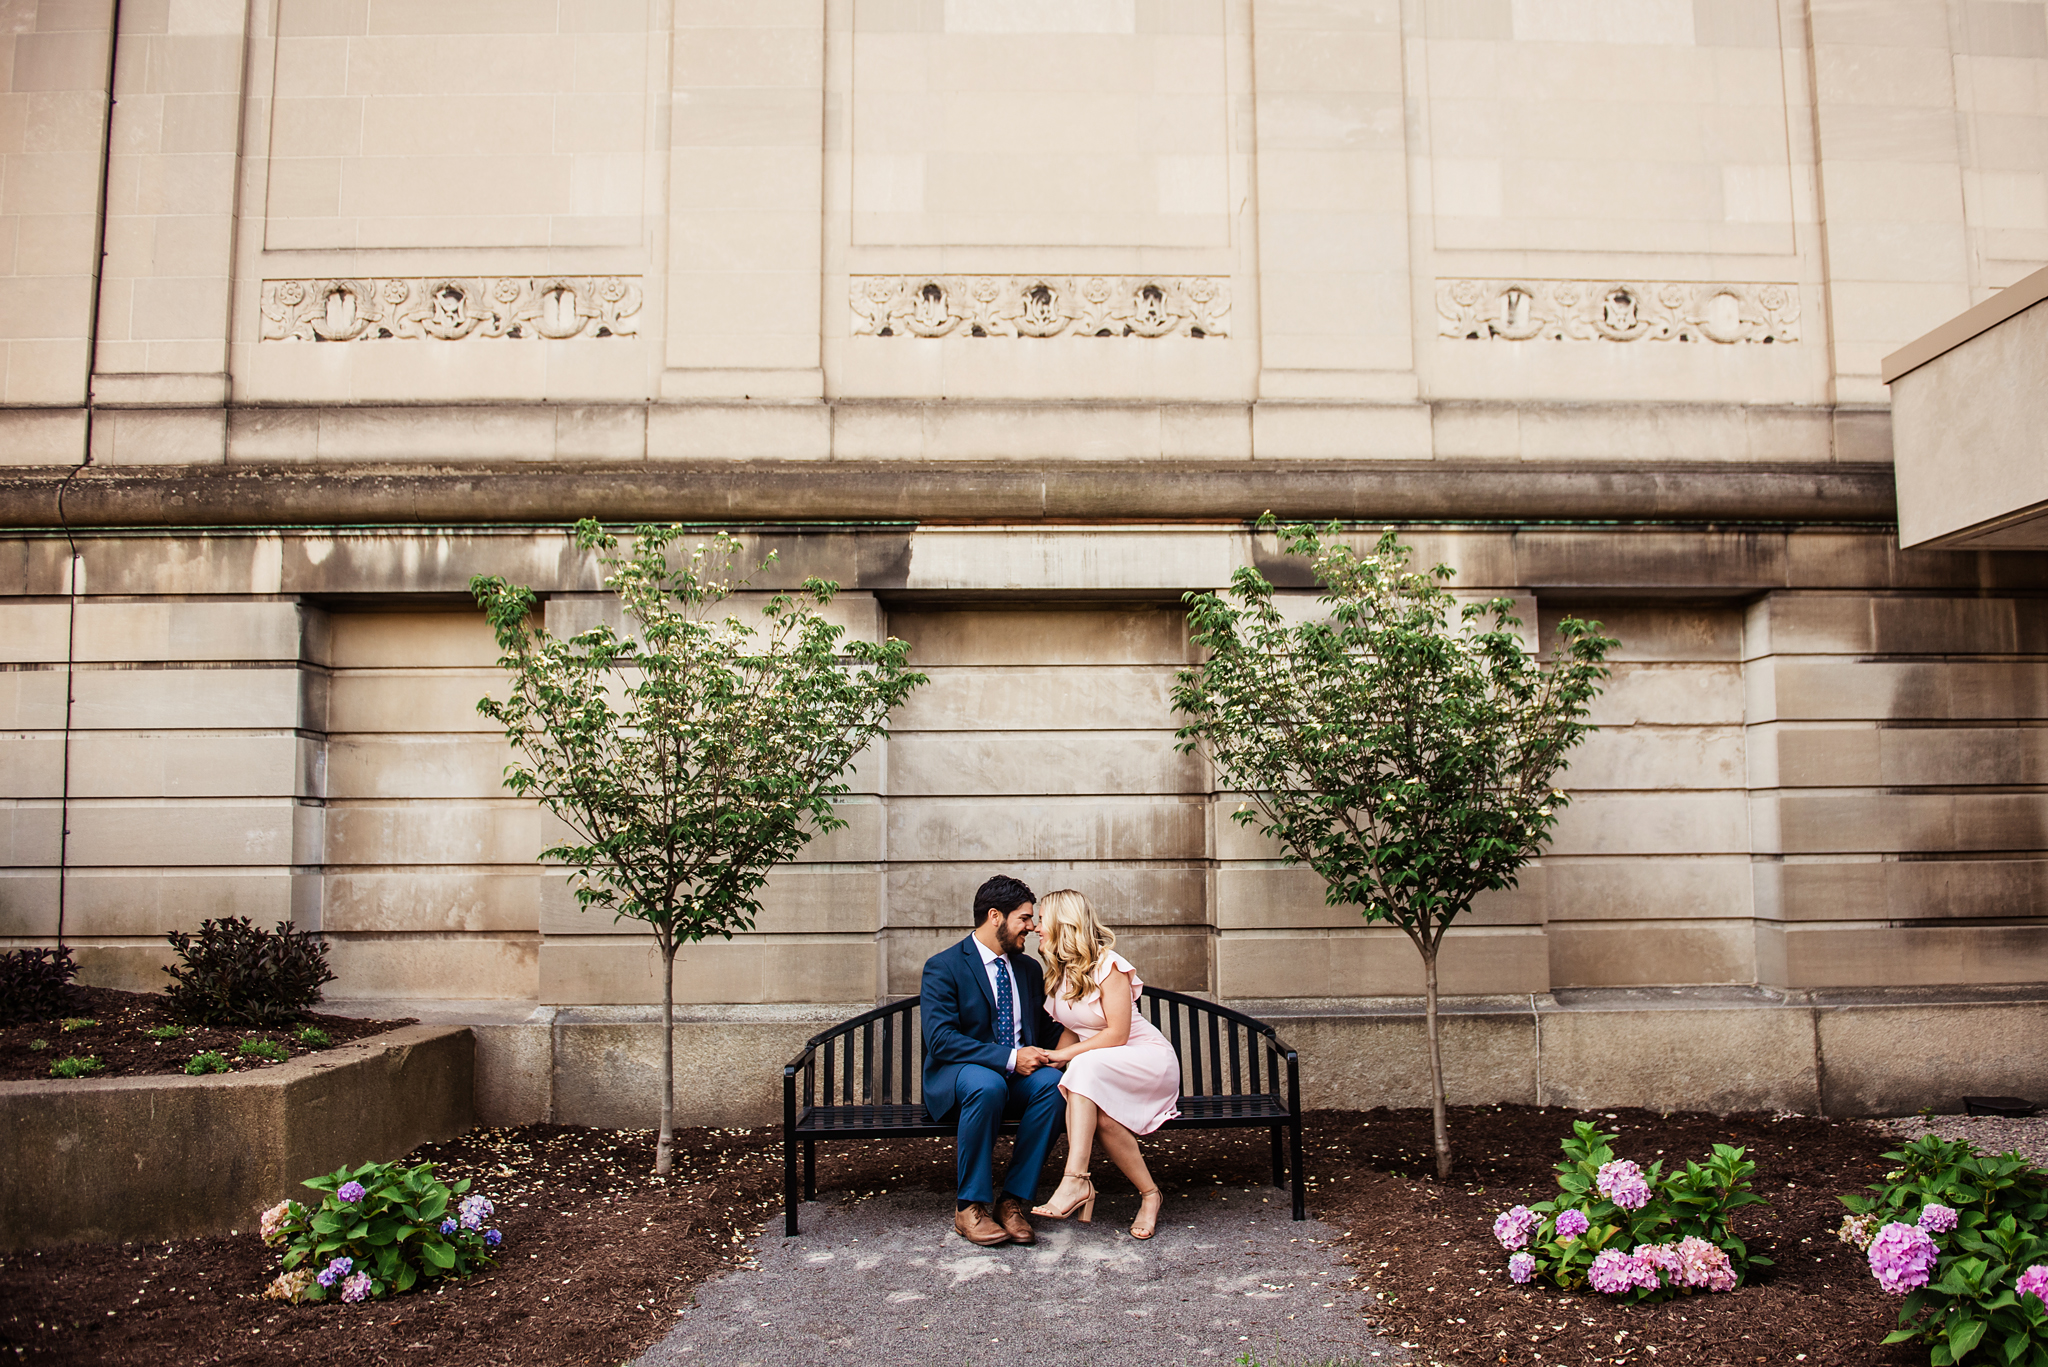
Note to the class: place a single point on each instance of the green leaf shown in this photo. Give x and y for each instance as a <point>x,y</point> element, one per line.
<point>440,1255</point>
<point>1962,1338</point>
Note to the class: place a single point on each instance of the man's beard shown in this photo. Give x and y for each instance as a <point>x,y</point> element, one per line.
<point>1010,946</point>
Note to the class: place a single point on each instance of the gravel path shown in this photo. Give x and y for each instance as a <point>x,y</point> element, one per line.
<point>1990,1133</point>
<point>885,1280</point>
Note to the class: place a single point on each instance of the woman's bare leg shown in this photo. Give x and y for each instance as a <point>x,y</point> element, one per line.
<point>1122,1147</point>
<point>1082,1115</point>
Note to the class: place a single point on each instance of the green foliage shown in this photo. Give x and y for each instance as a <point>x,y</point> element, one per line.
<point>313,1037</point>
<point>71,1023</point>
<point>1971,1305</point>
<point>36,1046</point>
<point>263,1048</point>
<point>35,984</point>
<point>694,755</point>
<point>166,1032</point>
<point>76,1067</point>
<point>1699,1201</point>
<point>391,1232</point>
<point>211,1061</point>
<point>688,756</point>
<point>236,973</point>
<point>1402,746</point>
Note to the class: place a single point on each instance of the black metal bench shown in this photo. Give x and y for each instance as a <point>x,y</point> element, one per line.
<point>874,1065</point>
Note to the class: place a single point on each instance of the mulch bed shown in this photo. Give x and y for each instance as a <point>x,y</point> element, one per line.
<point>116,1036</point>
<point>599,1256</point>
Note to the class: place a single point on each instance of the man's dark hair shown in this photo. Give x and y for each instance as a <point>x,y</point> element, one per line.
<point>1000,893</point>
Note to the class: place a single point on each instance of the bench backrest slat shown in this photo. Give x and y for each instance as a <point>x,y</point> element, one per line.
<point>1215,1044</point>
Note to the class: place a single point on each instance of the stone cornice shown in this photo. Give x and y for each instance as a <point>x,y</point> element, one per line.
<point>952,491</point>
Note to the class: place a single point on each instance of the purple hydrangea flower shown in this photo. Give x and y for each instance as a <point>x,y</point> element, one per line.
<point>475,1210</point>
<point>356,1288</point>
<point>448,1226</point>
<point>349,1191</point>
<point>2033,1282</point>
<point>1615,1273</point>
<point>1902,1258</point>
<point>335,1271</point>
<point>1936,1218</point>
<point>1513,1227</point>
<point>1522,1267</point>
<point>1622,1183</point>
<point>1571,1224</point>
<point>493,1238</point>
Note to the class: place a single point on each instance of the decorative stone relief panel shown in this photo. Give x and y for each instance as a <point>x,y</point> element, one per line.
<point>1040,306</point>
<point>451,308</point>
<point>1616,311</point>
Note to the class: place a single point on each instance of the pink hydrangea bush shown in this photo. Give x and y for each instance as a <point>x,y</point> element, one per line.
<point>1628,1231</point>
<point>1961,1238</point>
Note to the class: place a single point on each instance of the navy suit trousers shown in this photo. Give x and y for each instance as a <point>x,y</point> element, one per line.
<point>986,1099</point>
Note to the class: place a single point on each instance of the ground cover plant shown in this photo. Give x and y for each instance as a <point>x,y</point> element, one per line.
<point>1962,1236</point>
<point>1401,745</point>
<point>600,1254</point>
<point>135,1034</point>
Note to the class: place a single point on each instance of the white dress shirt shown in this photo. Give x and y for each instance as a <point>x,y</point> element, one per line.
<point>988,966</point>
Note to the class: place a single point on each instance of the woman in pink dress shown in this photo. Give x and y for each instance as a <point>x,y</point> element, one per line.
<point>1122,1077</point>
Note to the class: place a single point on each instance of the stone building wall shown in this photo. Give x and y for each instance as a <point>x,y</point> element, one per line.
<point>1007,314</point>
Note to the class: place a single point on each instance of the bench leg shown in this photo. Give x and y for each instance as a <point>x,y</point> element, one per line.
<point>788,1185</point>
<point>1279,1163</point>
<point>810,1170</point>
<point>1300,1179</point>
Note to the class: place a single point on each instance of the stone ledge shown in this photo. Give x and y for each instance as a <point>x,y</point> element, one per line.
<point>975,491</point>
<point>1834,1052</point>
<point>105,1160</point>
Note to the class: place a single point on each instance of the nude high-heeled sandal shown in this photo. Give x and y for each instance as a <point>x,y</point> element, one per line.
<point>1141,1215</point>
<point>1084,1202</point>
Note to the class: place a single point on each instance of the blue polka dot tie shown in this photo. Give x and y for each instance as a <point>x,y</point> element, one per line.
<point>1006,1013</point>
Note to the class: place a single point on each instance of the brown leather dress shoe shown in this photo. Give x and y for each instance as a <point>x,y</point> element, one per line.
<point>1010,1215</point>
<point>977,1226</point>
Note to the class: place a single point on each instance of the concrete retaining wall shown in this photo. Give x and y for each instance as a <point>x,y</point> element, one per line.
<point>1691,1049</point>
<point>114,1159</point>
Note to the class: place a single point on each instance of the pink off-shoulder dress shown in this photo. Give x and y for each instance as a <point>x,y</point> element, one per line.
<point>1135,1083</point>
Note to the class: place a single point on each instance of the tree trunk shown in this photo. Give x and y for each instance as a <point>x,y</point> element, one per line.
<point>1436,1066</point>
<point>662,1156</point>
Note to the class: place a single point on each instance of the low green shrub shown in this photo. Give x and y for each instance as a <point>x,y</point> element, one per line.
<point>1634,1233</point>
<point>71,1023</point>
<point>263,1048</point>
<point>76,1067</point>
<point>1963,1236</point>
<point>234,973</point>
<point>210,1061</point>
<point>314,1037</point>
<point>166,1032</point>
<point>35,984</point>
<point>377,1231</point>
<point>36,1046</point>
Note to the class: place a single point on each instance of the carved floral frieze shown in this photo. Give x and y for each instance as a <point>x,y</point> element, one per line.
<point>1616,311</point>
<point>1040,306</point>
<point>451,308</point>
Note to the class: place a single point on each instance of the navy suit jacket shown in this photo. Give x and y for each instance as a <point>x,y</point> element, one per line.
<point>959,1010</point>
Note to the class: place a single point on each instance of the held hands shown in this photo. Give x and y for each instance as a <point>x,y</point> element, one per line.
<point>1031,1058</point>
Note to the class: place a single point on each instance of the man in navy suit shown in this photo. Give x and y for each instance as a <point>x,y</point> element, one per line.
<point>986,1042</point>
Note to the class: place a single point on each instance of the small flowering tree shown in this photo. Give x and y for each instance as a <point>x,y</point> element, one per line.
<point>1403,748</point>
<point>693,756</point>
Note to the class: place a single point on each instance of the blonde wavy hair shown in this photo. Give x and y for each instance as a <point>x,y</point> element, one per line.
<point>1073,941</point>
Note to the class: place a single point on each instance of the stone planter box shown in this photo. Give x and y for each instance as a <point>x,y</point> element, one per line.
<point>113,1159</point>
